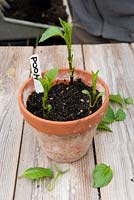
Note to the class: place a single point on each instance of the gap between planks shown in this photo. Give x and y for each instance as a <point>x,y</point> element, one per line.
<point>21,139</point>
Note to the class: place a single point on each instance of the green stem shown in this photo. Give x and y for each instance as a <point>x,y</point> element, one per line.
<point>90,100</point>
<point>44,112</point>
<point>70,57</point>
<point>100,94</point>
<point>93,94</point>
<point>44,100</point>
<point>51,187</point>
<point>59,173</point>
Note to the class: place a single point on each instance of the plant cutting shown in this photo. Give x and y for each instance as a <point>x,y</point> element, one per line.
<point>65,117</point>
<point>102,175</point>
<point>112,116</point>
<point>37,173</point>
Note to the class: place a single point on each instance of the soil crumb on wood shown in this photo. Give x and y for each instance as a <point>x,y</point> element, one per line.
<point>41,11</point>
<point>67,101</point>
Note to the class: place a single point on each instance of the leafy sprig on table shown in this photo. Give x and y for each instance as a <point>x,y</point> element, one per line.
<point>66,35</point>
<point>102,175</point>
<point>118,115</point>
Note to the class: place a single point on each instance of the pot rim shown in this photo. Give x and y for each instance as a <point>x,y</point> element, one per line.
<point>22,106</point>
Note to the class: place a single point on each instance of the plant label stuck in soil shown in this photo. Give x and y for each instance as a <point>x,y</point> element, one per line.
<point>36,72</point>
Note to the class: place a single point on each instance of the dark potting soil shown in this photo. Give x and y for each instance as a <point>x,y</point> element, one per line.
<point>40,11</point>
<point>67,101</point>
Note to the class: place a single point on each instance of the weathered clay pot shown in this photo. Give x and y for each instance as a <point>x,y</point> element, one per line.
<point>65,141</point>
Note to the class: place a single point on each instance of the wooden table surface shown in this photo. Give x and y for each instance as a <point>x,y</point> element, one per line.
<point>19,148</point>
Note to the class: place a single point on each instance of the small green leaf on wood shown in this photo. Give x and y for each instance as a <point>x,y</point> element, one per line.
<point>117,99</point>
<point>102,175</point>
<point>102,126</point>
<point>109,117</point>
<point>120,115</point>
<point>37,173</point>
<point>129,100</point>
<point>50,32</point>
<point>66,35</point>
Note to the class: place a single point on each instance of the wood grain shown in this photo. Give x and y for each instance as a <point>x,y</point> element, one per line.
<point>116,149</point>
<point>77,183</point>
<point>14,69</point>
<point>56,56</point>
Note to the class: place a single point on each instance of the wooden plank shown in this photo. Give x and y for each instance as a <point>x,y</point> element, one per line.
<point>53,56</point>
<point>117,148</point>
<point>14,69</point>
<point>77,183</point>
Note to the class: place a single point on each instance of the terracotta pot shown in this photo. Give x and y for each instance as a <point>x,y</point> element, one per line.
<point>65,141</point>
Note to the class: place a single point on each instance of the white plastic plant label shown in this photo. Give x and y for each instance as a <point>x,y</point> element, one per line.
<point>36,72</point>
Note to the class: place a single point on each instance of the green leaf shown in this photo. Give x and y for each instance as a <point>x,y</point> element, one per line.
<point>129,100</point>
<point>42,82</point>
<point>100,94</point>
<point>102,126</point>
<point>109,117</point>
<point>86,92</point>
<point>102,175</point>
<point>51,32</point>
<point>117,99</point>
<point>37,173</point>
<point>49,108</point>
<point>63,23</point>
<point>51,74</point>
<point>67,32</point>
<point>94,81</point>
<point>45,84</point>
<point>120,115</point>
